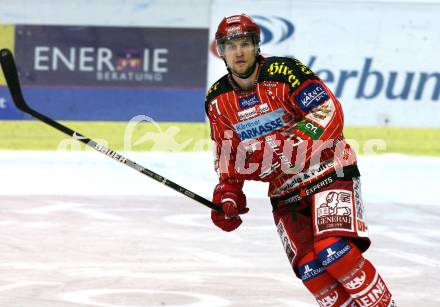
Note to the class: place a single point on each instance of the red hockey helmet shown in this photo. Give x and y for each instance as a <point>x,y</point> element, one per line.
<point>236,26</point>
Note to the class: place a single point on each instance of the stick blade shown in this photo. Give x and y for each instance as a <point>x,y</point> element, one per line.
<point>11,75</point>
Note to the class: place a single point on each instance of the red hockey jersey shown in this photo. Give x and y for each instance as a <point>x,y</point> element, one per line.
<point>287,96</point>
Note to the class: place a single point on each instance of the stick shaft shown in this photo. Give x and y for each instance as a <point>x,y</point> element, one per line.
<point>11,76</point>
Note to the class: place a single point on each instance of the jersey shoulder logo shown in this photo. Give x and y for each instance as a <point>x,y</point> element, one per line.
<point>311,95</point>
<point>285,70</point>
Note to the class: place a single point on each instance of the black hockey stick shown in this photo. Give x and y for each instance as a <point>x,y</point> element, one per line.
<point>11,76</point>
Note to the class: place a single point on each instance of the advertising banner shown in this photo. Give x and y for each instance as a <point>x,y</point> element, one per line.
<point>113,73</point>
<point>380,58</point>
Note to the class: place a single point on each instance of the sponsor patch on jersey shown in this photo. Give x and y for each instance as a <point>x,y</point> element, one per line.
<point>311,96</point>
<point>312,173</point>
<point>311,129</point>
<point>333,211</point>
<point>248,101</point>
<point>264,108</point>
<point>248,113</point>
<point>323,113</point>
<point>251,112</point>
<point>261,125</point>
<point>269,84</point>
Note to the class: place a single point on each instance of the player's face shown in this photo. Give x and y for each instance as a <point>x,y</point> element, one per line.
<point>240,55</point>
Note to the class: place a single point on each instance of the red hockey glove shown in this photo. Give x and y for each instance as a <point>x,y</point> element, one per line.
<point>233,202</point>
<point>274,156</point>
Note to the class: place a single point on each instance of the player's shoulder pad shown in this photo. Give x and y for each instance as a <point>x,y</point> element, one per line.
<point>219,87</point>
<point>285,70</point>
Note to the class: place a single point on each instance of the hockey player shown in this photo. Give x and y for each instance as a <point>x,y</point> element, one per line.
<point>273,120</point>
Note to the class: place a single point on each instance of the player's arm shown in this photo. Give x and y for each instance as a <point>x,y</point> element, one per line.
<point>317,124</point>
<point>228,192</point>
<point>225,142</point>
<point>319,115</point>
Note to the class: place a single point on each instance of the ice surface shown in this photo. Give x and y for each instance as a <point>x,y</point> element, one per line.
<point>389,178</point>
<point>77,229</point>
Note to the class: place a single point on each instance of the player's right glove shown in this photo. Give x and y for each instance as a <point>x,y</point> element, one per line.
<point>233,202</point>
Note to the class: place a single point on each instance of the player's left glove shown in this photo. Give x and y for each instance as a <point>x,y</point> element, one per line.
<point>233,202</point>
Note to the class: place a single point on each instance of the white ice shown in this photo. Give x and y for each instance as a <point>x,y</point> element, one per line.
<point>387,178</point>
<point>78,229</point>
